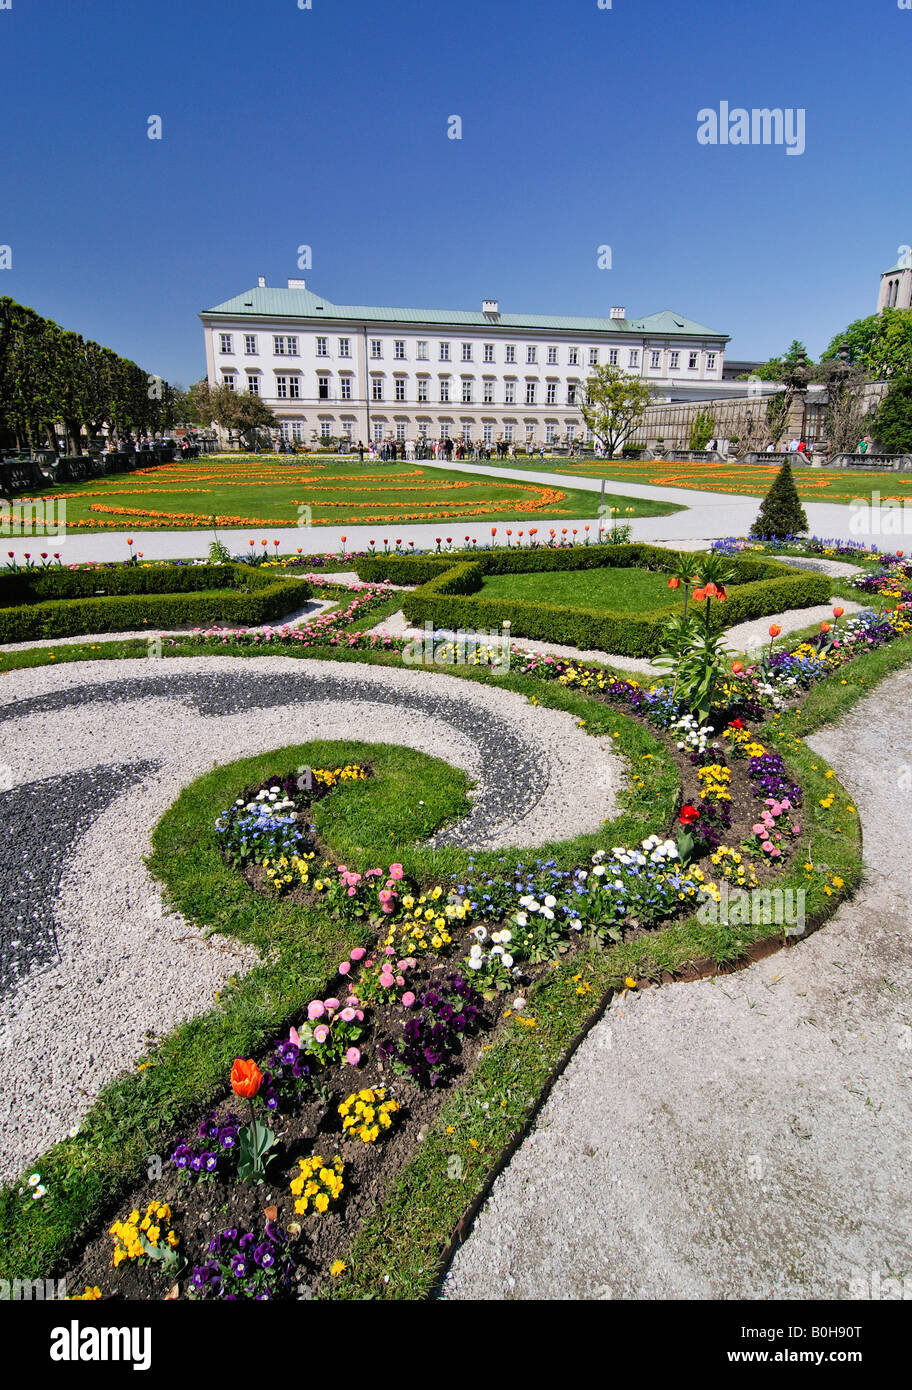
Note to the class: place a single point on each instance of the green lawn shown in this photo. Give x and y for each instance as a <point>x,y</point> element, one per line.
<point>253,491</point>
<point>621,590</point>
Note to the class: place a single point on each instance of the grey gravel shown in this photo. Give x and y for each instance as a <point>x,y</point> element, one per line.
<point>129,969</point>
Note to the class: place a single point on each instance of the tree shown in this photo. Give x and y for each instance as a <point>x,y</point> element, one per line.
<point>251,414</point>
<point>880,344</point>
<point>777,367</point>
<point>778,410</point>
<point>702,429</point>
<point>781,513</point>
<point>892,422</point>
<point>614,405</point>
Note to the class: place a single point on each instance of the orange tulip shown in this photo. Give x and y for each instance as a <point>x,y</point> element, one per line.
<point>722,594</point>
<point>775,629</point>
<point>674,582</point>
<point>246,1078</point>
<point>838,612</point>
<point>900,553</point>
<point>824,627</point>
<point>737,667</point>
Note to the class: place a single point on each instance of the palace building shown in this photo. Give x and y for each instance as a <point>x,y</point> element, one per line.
<point>347,371</point>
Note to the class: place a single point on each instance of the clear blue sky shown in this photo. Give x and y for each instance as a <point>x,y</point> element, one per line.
<point>328,127</point>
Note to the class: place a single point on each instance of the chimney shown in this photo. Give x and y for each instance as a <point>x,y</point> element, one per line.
<point>262,282</point>
<point>297,284</point>
<point>490,306</point>
<point>617,312</point>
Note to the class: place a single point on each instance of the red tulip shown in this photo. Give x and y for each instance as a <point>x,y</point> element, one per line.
<point>246,1078</point>
<point>688,815</point>
<point>775,629</point>
<point>737,667</point>
<point>838,612</point>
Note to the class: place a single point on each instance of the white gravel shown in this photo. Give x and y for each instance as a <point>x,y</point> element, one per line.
<point>744,1137</point>
<point>127,971</point>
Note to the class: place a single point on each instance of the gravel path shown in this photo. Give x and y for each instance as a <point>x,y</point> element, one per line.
<point>744,1137</point>
<point>92,756</point>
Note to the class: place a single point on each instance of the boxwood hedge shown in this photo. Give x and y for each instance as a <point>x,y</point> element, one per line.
<point>450,594</point>
<point>65,603</point>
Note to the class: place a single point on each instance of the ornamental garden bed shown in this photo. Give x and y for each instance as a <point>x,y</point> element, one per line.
<point>452,592</point>
<point>57,602</point>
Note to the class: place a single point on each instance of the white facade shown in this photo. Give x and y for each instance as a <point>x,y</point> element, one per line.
<point>374,374</point>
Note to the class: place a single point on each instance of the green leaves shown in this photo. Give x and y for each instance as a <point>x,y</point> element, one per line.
<point>255,1142</point>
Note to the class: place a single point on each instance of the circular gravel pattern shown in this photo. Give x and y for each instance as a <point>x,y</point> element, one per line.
<point>93,754</point>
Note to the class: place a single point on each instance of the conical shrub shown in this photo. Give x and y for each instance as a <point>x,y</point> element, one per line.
<point>781,513</point>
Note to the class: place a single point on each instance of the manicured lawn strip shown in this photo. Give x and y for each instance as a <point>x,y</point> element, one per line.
<point>636,591</point>
<point>250,491</point>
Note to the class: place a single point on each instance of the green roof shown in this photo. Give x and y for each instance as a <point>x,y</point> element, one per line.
<point>264,302</point>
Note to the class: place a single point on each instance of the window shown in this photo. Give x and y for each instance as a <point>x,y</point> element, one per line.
<point>571,394</point>
<point>710,361</point>
<point>510,353</point>
<point>253,383</point>
<point>230,380</point>
<point>322,348</point>
<point>422,431</point>
<point>444,352</point>
<point>325,429</point>
<point>377,388</point>
<point>421,350</point>
<point>530,430</point>
<point>224,342</point>
<point>467,434</point>
<point>673,360</point>
<point>573,357</point>
<point>612,357</point>
<point>467,352</point>
<point>530,354</point>
<point>282,387</point>
<point>347,427</point>
<point>487,434</point>
<point>530,392</point>
<point>444,431</point>
<point>634,359</point>
<point>400,388</point>
<point>488,393</point>
<point>655,359</point>
<point>400,432</point>
<point>467,391</point>
<point>297,431</point>
<point>294,388</point>
<point>489,352</point>
<point>250,344</point>
<point>422,389</point>
<point>549,434</point>
<point>593,357</point>
<point>444,391</point>
<point>288,388</point>
<point>508,434</point>
<point>284,430</point>
<point>345,388</point>
<point>552,357</point>
<point>510,393</point>
<point>376,347</point>
<point>323,388</point>
<point>378,434</point>
<point>283,346</point>
<point>345,347</point>
<point>399,350</point>
<point>693,361</point>
<point>551,393</point>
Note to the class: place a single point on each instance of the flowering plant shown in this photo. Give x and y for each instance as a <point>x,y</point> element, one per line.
<point>245,1266</point>
<point>432,1037</point>
<point>215,1146</point>
<point>146,1238</point>
<point>317,1183</point>
<point>332,1030</point>
<point>366,1113</point>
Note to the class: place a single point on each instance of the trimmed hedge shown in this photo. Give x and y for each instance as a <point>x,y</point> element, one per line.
<point>66,603</point>
<point>450,594</point>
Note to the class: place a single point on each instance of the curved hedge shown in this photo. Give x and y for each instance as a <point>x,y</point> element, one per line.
<point>66,603</point>
<point>450,594</point>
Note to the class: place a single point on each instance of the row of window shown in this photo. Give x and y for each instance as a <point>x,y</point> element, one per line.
<point>288,387</point>
<point>286,345</point>
<point>294,430</point>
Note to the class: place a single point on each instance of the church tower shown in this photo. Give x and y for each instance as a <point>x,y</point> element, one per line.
<point>896,284</point>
